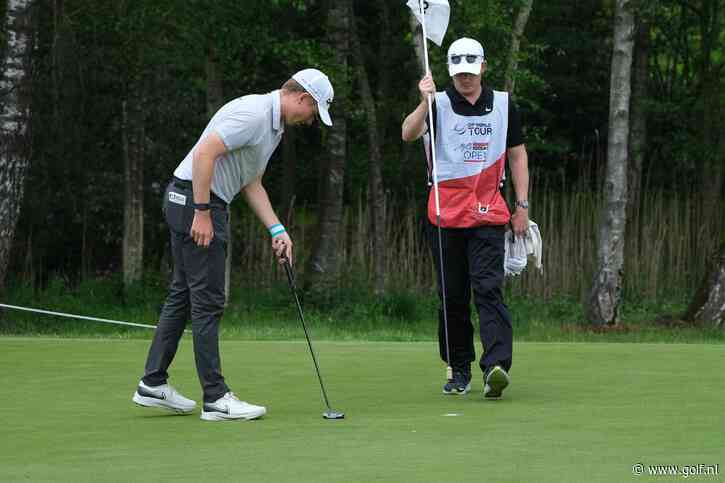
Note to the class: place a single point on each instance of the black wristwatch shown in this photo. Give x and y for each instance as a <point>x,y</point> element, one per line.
<point>201,206</point>
<point>522,204</point>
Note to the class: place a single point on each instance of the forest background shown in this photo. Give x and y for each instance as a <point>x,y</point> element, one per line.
<point>117,92</point>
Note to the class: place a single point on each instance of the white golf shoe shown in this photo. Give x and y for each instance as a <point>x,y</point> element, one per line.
<point>495,381</point>
<point>164,396</point>
<point>229,407</point>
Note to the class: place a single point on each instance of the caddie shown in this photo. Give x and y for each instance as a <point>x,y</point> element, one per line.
<point>477,131</point>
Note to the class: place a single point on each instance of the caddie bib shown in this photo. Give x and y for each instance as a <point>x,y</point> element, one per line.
<point>470,161</point>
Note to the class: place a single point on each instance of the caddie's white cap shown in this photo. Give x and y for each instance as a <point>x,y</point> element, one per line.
<point>320,88</point>
<point>465,47</point>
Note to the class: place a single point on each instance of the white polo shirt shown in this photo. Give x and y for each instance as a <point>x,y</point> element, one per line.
<point>251,128</point>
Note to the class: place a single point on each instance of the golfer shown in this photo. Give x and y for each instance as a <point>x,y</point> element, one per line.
<point>230,156</point>
<point>476,130</point>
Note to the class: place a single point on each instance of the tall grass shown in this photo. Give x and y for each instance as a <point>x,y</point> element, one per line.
<point>666,247</point>
<point>666,251</point>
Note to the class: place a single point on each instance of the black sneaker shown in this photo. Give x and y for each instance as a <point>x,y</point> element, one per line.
<point>460,384</point>
<point>495,381</point>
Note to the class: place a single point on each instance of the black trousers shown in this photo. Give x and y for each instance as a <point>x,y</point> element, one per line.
<point>473,260</point>
<point>196,292</point>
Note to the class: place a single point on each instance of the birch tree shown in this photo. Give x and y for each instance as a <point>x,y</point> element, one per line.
<point>14,113</point>
<point>708,306</point>
<point>522,17</point>
<point>638,141</point>
<point>605,298</point>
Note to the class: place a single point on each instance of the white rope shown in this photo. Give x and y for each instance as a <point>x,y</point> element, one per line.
<point>83,317</point>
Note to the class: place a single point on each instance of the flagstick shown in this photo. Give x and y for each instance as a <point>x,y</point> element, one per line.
<point>449,370</point>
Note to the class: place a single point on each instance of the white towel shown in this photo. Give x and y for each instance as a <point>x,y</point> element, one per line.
<point>518,249</point>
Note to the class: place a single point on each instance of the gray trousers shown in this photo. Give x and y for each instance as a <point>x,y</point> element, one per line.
<point>196,292</point>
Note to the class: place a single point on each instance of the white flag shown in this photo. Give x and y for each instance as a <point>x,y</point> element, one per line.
<point>437,15</point>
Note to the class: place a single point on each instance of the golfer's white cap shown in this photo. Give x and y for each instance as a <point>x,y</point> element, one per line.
<point>320,88</point>
<point>465,46</point>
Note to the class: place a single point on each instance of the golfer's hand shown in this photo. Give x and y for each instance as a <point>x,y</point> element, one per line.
<point>426,86</point>
<point>520,221</point>
<point>282,246</point>
<point>202,230</point>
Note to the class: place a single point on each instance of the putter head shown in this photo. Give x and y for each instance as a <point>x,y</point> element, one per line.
<point>333,415</point>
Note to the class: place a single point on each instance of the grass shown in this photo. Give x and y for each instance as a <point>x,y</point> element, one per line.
<point>268,313</point>
<point>574,412</point>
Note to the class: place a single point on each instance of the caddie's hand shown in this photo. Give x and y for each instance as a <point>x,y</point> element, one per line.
<point>202,230</point>
<point>282,246</point>
<point>426,86</point>
<point>520,221</point>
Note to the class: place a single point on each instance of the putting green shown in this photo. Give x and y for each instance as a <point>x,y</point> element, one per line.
<point>574,412</point>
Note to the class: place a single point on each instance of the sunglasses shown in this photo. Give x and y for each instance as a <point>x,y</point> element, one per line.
<point>471,59</point>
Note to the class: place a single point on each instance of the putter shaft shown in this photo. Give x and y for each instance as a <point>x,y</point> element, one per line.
<point>293,289</point>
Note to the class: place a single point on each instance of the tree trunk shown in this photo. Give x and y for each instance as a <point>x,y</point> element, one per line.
<point>133,135</point>
<point>605,297</point>
<point>29,264</point>
<point>638,117</point>
<point>323,269</point>
<point>85,255</point>
<point>710,69</point>
<point>55,59</point>
<point>417,30</point>
<point>214,86</point>
<point>14,114</point>
<point>522,17</point>
<point>385,72</point>
<point>289,178</point>
<point>376,194</point>
<point>708,306</point>
<point>215,100</point>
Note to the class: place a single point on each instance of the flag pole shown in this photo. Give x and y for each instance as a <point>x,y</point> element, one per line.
<point>449,370</point>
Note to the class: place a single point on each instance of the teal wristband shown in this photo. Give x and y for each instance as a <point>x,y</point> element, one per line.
<point>276,230</point>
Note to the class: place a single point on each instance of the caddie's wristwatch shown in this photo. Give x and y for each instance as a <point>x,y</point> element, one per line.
<point>201,206</point>
<point>522,204</point>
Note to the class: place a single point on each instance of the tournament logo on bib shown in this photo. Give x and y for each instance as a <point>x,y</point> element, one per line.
<point>473,152</point>
<point>473,128</point>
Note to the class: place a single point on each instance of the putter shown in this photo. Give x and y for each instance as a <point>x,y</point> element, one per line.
<point>330,413</point>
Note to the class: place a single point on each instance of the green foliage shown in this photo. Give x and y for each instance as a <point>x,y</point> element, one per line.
<point>91,55</point>
<point>269,313</point>
<point>404,306</point>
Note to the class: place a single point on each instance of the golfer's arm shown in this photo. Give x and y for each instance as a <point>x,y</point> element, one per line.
<point>258,201</point>
<point>202,167</point>
<point>519,163</point>
<point>414,125</point>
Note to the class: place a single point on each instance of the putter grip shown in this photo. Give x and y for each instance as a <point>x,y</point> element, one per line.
<point>288,269</point>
